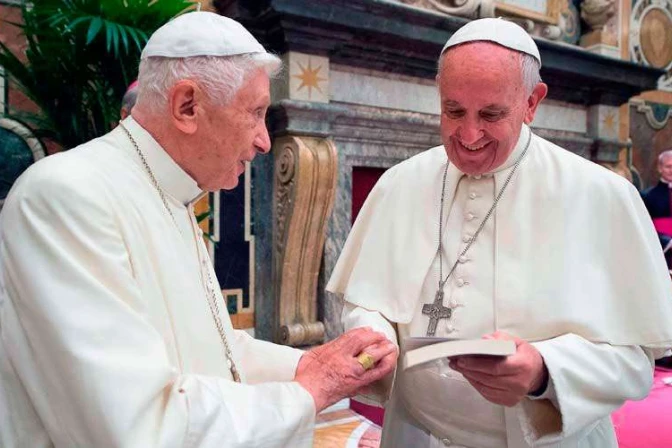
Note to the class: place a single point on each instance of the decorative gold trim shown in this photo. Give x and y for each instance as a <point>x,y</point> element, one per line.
<point>624,122</point>
<point>203,206</point>
<point>626,10</point>
<point>35,145</point>
<point>599,37</point>
<point>655,96</point>
<point>242,321</point>
<point>238,292</point>
<point>304,188</point>
<point>646,109</point>
<point>552,16</point>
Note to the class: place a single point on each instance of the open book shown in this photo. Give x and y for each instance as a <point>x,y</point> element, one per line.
<point>420,350</point>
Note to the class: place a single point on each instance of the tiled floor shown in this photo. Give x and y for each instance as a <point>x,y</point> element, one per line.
<point>340,427</point>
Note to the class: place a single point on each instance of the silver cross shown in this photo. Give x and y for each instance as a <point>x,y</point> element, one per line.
<point>436,311</point>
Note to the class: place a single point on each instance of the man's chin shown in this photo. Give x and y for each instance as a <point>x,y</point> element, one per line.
<point>472,163</point>
<point>472,167</point>
<point>230,184</point>
<point>222,184</point>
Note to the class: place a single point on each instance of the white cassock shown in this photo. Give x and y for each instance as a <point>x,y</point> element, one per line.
<point>107,339</point>
<point>569,261</point>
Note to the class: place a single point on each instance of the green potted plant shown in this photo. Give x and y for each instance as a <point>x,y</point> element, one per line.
<point>81,55</point>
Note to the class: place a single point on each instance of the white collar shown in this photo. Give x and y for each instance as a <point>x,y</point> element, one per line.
<point>525,135</point>
<point>173,180</point>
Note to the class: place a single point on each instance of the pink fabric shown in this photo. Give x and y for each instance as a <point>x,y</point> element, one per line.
<point>663,225</point>
<point>133,85</point>
<point>373,413</point>
<point>639,424</point>
<point>647,423</point>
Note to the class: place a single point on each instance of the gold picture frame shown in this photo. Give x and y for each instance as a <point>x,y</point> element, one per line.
<point>551,16</point>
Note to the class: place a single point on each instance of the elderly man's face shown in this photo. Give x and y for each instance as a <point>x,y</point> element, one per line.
<point>483,105</point>
<point>665,169</point>
<point>232,135</point>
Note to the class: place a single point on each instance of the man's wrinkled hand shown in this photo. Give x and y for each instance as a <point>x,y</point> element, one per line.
<point>505,380</point>
<point>332,372</point>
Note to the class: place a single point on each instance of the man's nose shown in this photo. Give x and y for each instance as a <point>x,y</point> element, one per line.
<point>262,142</point>
<point>469,132</point>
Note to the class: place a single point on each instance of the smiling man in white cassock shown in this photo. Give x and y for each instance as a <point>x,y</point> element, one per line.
<point>535,244</point>
<point>113,330</point>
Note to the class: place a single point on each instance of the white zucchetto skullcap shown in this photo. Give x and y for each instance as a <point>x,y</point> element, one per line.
<point>499,31</point>
<point>201,34</point>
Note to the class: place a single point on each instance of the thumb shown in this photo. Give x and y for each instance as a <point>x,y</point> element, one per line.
<point>502,335</point>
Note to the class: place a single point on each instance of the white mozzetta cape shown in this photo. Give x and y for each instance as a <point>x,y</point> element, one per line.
<point>575,250</point>
<point>106,338</point>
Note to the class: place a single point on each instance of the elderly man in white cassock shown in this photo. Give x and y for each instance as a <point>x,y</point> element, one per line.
<point>535,244</point>
<point>113,330</point>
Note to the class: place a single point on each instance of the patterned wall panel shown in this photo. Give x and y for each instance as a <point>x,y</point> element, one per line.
<point>651,36</point>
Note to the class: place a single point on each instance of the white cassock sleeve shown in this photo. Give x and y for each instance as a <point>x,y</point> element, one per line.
<point>96,370</point>
<point>258,356</point>
<point>590,381</point>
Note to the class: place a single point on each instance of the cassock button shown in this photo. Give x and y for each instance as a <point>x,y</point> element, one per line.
<point>466,238</point>
<point>470,216</point>
<point>460,282</point>
<point>446,442</point>
<point>452,304</point>
<point>477,177</point>
<point>449,328</point>
<point>472,195</point>
<point>463,259</point>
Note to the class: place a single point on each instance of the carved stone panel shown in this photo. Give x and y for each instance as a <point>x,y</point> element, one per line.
<point>651,37</point>
<point>304,186</point>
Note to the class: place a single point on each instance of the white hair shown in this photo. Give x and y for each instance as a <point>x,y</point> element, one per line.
<point>663,156</point>
<point>529,69</point>
<point>220,77</point>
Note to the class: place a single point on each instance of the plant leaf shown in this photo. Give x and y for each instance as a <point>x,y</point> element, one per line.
<point>94,28</point>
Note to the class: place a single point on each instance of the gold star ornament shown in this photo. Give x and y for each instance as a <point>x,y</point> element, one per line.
<point>310,77</point>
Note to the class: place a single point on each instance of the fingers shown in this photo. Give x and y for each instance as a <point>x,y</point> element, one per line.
<point>386,365</point>
<point>354,341</point>
<point>493,365</point>
<point>500,335</point>
<point>486,380</point>
<point>507,385</point>
<point>496,396</point>
<point>379,350</point>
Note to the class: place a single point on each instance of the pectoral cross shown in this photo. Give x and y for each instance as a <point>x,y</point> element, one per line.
<point>436,311</point>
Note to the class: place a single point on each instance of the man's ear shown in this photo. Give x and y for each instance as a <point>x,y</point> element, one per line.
<point>533,101</point>
<point>184,100</point>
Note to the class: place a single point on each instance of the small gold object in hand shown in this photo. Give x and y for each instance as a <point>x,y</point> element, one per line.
<point>366,360</point>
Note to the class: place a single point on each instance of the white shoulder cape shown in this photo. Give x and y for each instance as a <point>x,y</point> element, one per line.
<point>575,249</point>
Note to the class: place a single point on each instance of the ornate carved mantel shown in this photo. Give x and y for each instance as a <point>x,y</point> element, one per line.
<point>556,22</point>
<point>473,9</point>
<point>304,185</point>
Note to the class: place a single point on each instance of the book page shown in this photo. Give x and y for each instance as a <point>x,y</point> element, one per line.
<point>421,350</point>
